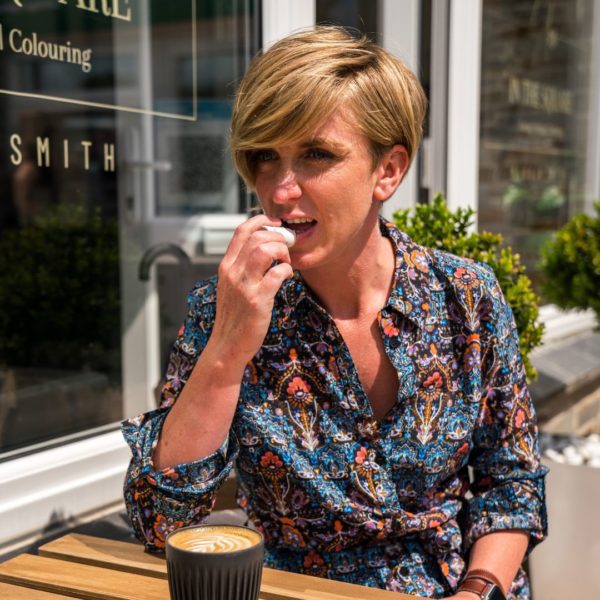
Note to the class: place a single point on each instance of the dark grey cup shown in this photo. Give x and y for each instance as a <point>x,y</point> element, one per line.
<point>220,576</point>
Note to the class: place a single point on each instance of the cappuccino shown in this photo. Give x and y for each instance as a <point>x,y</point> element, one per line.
<point>214,539</point>
<point>214,562</point>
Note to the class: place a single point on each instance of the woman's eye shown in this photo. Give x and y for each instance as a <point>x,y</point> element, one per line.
<point>259,156</point>
<point>318,154</point>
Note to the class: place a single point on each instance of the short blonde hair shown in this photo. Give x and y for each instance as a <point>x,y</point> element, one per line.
<point>297,84</point>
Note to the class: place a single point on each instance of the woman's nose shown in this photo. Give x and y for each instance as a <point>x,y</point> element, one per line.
<point>286,187</point>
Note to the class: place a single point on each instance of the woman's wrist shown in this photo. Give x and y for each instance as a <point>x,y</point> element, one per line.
<point>484,575</point>
<point>483,585</point>
<point>222,365</point>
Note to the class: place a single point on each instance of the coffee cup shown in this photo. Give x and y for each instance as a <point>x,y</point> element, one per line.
<point>214,562</point>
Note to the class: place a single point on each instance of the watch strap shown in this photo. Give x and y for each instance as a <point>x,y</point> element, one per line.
<point>485,575</point>
<point>484,589</point>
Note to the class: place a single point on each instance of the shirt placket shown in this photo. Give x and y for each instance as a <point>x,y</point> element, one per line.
<point>361,421</point>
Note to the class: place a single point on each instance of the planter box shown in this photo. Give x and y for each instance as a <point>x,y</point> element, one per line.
<point>566,565</point>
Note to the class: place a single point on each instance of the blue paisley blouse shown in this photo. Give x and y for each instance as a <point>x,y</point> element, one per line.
<point>394,503</point>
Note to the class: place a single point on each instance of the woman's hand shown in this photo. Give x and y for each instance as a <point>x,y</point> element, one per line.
<point>199,421</point>
<point>462,596</point>
<point>247,287</point>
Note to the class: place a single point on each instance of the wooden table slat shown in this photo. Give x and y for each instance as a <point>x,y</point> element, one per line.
<point>276,585</point>
<point>305,586</point>
<point>101,552</point>
<point>17,592</point>
<point>38,577</point>
<point>82,581</point>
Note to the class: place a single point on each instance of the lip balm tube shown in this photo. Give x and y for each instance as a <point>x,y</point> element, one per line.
<point>288,235</point>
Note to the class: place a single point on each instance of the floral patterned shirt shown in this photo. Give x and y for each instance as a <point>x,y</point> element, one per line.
<point>394,503</point>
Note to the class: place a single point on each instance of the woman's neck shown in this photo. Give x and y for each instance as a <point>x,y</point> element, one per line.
<point>358,284</point>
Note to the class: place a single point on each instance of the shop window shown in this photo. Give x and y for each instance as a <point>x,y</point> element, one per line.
<point>535,118</point>
<point>113,127</point>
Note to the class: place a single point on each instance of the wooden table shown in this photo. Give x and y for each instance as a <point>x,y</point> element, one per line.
<point>81,566</point>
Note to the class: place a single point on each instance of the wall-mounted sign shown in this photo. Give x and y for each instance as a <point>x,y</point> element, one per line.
<point>66,51</point>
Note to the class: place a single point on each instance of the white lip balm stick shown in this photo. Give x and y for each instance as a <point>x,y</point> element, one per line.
<point>288,235</point>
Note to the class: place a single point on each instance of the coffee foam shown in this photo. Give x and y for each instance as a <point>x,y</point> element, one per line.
<point>214,539</point>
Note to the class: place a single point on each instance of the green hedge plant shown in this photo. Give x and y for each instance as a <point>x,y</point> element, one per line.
<point>436,226</point>
<point>571,264</point>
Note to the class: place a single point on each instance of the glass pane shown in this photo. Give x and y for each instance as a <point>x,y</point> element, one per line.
<point>535,92</point>
<point>358,14</point>
<point>198,175</point>
<point>112,114</point>
<point>60,357</point>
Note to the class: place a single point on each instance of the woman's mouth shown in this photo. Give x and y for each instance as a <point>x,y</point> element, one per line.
<point>301,227</point>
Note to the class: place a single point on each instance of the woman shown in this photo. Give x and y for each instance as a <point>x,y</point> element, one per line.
<point>353,378</point>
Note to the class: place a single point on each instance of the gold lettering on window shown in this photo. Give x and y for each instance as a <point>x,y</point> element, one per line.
<point>109,157</point>
<point>86,154</point>
<point>16,158</point>
<point>66,153</point>
<point>539,96</point>
<point>43,151</point>
<point>117,9</point>
<point>32,45</point>
<point>48,151</point>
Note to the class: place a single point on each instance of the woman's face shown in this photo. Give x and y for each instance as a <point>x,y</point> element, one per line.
<point>323,187</point>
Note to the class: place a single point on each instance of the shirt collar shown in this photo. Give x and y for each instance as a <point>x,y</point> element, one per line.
<point>413,279</point>
<point>413,276</point>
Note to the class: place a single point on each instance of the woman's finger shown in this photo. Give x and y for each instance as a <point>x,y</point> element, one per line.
<point>274,278</point>
<point>242,235</point>
<point>261,258</point>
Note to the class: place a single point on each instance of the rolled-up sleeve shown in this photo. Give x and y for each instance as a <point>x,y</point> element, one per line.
<point>508,488</point>
<point>159,501</point>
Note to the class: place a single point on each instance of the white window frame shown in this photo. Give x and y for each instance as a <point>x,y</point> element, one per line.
<point>62,483</point>
<point>282,17</point>
<point>464,74</point>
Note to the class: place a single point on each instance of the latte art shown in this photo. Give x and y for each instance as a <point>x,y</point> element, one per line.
<point>214,539</point>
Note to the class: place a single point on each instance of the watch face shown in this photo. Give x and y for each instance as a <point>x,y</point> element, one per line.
<point>494,593</point>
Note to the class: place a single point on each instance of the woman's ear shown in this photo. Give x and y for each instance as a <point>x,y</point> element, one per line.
<point>390,172</point>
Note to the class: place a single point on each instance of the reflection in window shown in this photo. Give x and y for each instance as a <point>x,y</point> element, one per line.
<point>64,165</point>
<point>357,14</point>
<point>201,177</point>
<point>535,91</point>
<point>60,352</point>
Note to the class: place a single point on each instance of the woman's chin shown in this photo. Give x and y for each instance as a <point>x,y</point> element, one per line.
<point>306,261</point>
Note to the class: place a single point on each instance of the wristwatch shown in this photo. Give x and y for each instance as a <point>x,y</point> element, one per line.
<point>486,590</point>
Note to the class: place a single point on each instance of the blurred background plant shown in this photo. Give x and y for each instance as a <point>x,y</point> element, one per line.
<point>59,292</point>
<point>571,264</point>
<point>436,226</point>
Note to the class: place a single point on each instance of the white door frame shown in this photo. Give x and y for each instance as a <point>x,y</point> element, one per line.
<point>281,17</point>
<point>464,75</point>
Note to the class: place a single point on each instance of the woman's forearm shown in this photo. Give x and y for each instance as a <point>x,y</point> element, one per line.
<point>501,553</point>
<point>199,421</point>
